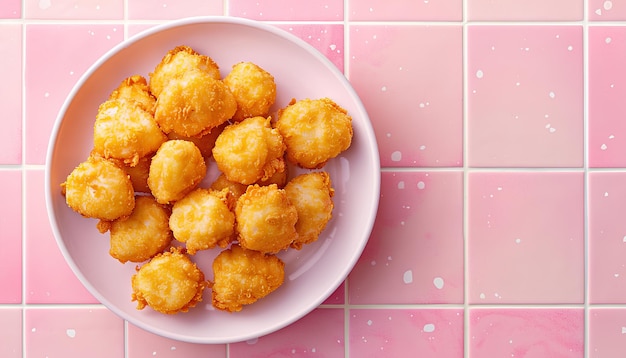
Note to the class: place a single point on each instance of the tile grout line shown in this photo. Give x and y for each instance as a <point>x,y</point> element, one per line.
<point>465,146</point>
<point>23,305</point>
<point>585,79</point>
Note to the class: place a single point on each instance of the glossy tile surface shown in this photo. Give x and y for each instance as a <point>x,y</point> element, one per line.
<point>502,137</point>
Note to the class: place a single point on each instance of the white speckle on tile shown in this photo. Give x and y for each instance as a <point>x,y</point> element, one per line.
<point>97,7</point>
<point>482,296</point>
<point>493,48</point>
<point>172,348</point>
<point>480,74</point>
<point>313,349</point>
<point>71,73</point>
<point>369,322</point>
<point>608,5</point>
<point>608,40</point>
<point>422,147</point>
<point>438,282</point>
<point>70,333</point>
<point>603,147</point>
<point>333,47</point>
<point>407,277</point>
<point>422,105</point>
<point>598,11</point>
<point>371,9</point>
<point>499,188</point>
<point>383,89</point>
<point>401,184</point>
<point>421,185</point>
<point>388,258</point>
<point>517,84</point>
<point>570,48</point>
<point>606,194</point>
<point>552,95</point>
<point>510,341</point>
<point>33,330</point>
<point>611,137</point>
<point>396,156</point>
<point>429,327</point>
<point>373,262</point>
<point>623,330</point>
<point>47,94</point>
<point>518,240</point>
<point>154,353</point>
<point>45,4</point>
<point>497,295</point>
<point>616,275</point>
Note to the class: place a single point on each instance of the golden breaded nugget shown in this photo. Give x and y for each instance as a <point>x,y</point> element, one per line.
<point>254,90</point>
<point>177,62</point>
<point>126,132</point>
<point>169,283</point>
<point>236,189</point>
<point>203,219</point>
<point>136,88</point>
<point>97,188</point>
<point>241,277</point>
<point>194,104</point>
<point>265,219</point>
<point>205,143</point>
<point>312,194</point>
<point>314,130</point>
<point>176,169</point>
<point>249,151</point>
<point>143,234</point>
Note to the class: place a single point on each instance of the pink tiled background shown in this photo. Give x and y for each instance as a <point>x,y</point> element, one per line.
<point>501,126</point>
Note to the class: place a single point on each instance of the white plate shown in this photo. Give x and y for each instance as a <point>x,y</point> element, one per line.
<point>313,273</point>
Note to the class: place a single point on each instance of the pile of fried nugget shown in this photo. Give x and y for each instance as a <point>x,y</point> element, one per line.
<point>153,142</point>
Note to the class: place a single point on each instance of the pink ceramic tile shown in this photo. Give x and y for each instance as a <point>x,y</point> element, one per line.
<point>318,334</point>
<point>326,38</point>
<point>607,89</point>
<point>11,9</point>
<point>525,237</point>
<point>52,69</point>
<point>398,10</point>
<point>606,10</point>
<point>324,10</point>
<point>11,333</point>
<point>406,333</point>
<point>607,329</point>
<point>530,333</point>
<point>559,10</point>
<point>11,237</point>
<point>607,238</point>
<point>164,9</point>
<point>415,102</point>
<point>338,297</point>
<point>525,100</point>
<point>73,332</point>
<point>415,253</point>
<point>74,9</point>
<point>141,343</point>
<point>11,93</point>
<point>48,277</point>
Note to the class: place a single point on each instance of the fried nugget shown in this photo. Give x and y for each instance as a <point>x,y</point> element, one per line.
<point>265,219</point>
<point>169,283</point>
<point>143,234</point>
<point>97,188</point>
<point>139,174</point>
<point>126,132</point>
<point>176,169</point>
<point>205,142</point>
<point>249,151</point>
<point>312,195</point>
<point>193,104</point>
<point>314,130</point>
<point>203,219</point>
<point>135,88</point>
<point>254,89</point>
<point>177,62</point>
<point>242,277</point>
<point>236,189</point>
